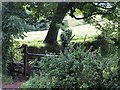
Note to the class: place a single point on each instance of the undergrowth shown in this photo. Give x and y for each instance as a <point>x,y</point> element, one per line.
<point>75,69</point>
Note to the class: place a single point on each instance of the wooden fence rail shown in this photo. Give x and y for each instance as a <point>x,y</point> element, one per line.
<point>25,59</point>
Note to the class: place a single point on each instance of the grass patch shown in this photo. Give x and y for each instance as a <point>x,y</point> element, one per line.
<point>79,29</point>
<point>37,42</point>
<point>81,39</point>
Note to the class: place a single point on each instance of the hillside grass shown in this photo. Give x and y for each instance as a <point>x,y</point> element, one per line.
<point>78,27</point>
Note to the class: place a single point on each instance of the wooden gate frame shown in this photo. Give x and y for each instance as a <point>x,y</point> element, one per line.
<point>25,58</point>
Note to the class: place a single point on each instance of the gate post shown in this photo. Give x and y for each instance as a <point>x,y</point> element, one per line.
<point>25,60</point>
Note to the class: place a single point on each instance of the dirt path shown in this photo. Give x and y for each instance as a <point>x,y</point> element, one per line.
<point>15,85</point>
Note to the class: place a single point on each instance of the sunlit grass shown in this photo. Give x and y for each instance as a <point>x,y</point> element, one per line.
<point>78,27</point>
<point>33,42</point>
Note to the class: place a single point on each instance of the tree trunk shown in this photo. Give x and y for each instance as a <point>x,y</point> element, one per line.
<point>52,34</point>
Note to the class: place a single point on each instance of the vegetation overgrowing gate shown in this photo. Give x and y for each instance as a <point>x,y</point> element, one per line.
<point>25,58</point>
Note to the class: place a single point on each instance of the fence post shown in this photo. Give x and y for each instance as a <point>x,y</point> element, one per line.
<point>25,60</point>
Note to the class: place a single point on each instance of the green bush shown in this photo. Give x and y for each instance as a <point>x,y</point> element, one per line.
<point>66,37</point>
<point>38,82</point>
<point>12,29</point>
<point>76,69</point>
<point>15,50</point>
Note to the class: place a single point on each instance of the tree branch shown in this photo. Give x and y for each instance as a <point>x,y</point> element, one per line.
<point>104,7</point>
<point>73,16</point>
<point>72,10</point>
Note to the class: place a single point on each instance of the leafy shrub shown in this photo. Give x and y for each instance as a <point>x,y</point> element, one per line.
<point>13,56</point>
<point>16,54</point>
<point>12,27</point>
<point>76,69</point>
<point>66,35</point>
<point>38,82</point>
<point>11,53</point>
<point>99,42</point>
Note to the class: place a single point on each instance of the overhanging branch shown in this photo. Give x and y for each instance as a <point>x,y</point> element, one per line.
<point>113,7</point>
<point>84,17</point>
<point>72,10</point>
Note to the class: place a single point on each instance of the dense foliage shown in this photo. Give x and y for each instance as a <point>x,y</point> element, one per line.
<point>12,27</point>
<point>75,68</point>
<point>17,18</point>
